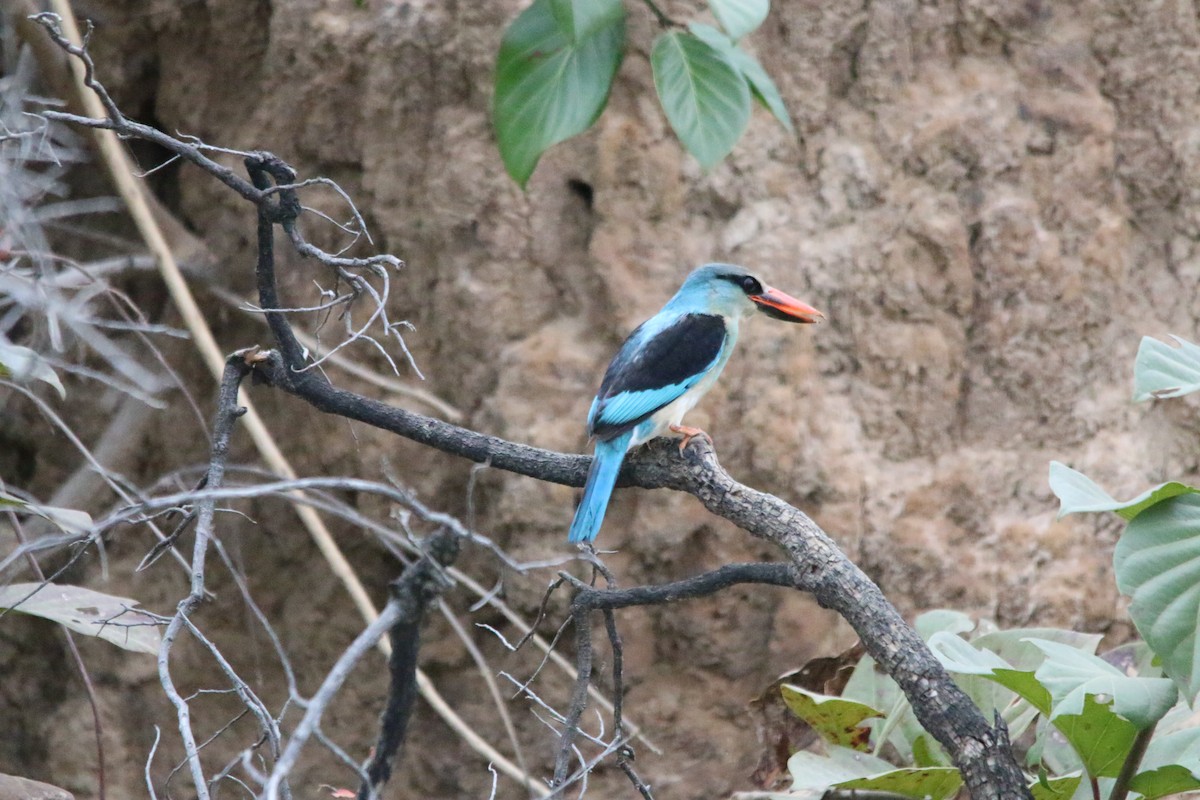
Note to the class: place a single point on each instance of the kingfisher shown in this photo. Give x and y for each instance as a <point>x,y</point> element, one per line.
<point>665,367</point>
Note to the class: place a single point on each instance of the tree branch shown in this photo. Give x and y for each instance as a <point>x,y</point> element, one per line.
<point>413,592</point>
<point>228,411</point>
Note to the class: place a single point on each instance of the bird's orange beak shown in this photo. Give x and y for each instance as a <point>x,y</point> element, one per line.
<point>782,305</point>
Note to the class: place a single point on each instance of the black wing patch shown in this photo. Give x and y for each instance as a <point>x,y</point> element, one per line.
<point>647,374</point>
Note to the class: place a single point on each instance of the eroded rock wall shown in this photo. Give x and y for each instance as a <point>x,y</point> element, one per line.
<point>991,201</point>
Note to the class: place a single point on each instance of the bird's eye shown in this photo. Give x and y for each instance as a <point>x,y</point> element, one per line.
<point>751,286</point>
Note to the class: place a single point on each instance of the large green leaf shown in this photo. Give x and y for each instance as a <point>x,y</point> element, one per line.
<point>764,89</point>
<point>706,99</point>
<point>89,612</point>
<point>1078,493</point>
<point>1097,707</point>
<point>579,19</point>
<point>1098,736</point>
<point>960,656</point>
<point>22,365</point>
<point>1171,765</point>
<point>1072,675</point>
<point>739,17</point>
<point>549,86</point>
<point>1011,645</point>
<point>843,768</point>
<point>837,719</point>
<point>1163,370</point>
<point>1157,563</point>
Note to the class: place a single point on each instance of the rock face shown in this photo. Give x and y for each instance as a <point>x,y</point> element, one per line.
<point>991,202</point>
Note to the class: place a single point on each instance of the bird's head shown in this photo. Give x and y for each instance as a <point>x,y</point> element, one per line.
<point>736,292</point>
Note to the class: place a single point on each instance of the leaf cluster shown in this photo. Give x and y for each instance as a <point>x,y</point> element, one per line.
<point>558,59</point>
<point>1075,716</point>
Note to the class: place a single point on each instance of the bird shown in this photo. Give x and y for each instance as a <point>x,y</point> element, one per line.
<point>665,367</point>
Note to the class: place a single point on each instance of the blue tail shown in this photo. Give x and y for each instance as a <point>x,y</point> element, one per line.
<point>601,479</point>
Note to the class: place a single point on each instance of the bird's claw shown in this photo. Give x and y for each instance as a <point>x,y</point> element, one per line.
<point>688,434</point>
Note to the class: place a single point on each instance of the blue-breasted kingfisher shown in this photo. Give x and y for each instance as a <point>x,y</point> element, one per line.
<point>665,367</point>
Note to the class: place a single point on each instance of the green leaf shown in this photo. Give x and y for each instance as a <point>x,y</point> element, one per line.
<point>89,612</point>
<point>843,768</point>
<point>927,752</point>
<point>961,657</point>
<point>1163,370</point>
<point>1171,765</point>
<point>706,99</point>
<point>1100,737</point>
<point>68,520</point>
<point>764,89</point>
<point>1097,707</point>
<point>579,19</point>
<point>1078,493</point>
<point>1166,780</point>
<point>942,620</point>
<point>1071,675</point>
<point>1024,658</point>
<point>1055,788</point>
<point>871,686</point>
<point>1157,563</point>
<point>1015,647</point>
<point>22,365</point>
<point>1051,749</point>
<point>739,17</point>
<point>836,719</point>
<point>549,87</point>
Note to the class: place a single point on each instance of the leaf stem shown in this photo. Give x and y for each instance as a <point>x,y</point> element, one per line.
<point>1132,762</point>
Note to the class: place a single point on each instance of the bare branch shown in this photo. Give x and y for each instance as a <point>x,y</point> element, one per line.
<point>228,411</point>
<point>325,694</point>
<point>420,585</point>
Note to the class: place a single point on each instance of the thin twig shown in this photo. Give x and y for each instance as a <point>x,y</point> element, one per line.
<point>583,663</point>
<point>329,688</point>
<point>227,413</point>
<point>489,680</point>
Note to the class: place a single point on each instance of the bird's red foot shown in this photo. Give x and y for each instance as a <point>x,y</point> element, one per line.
<point>688,435</point>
